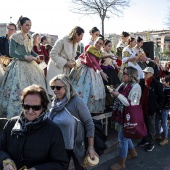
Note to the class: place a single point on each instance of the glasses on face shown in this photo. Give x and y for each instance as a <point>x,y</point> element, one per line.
<point>56,87</point>
<point>34,107</point>
<point>11,29</point>
<point>124,73</point>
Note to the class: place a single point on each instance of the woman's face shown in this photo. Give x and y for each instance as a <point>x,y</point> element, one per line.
<point>133,43</point>
<point>78,37</point>
<point>32,107</point>
<point>108,47</point>
<point>95,35</point>
<point>139,44</point>
<point>59,89</point>
<point>125,77</point>
<point>37,39</point>
<point>26,26</point>
<point>124,39</point>
<point>98,44</point>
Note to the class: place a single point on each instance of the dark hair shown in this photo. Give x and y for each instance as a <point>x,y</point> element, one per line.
<point>48,47</point>
<point>36,90</point>
<point>93,30</point>
<point>43,38</point>
<point>139,39</point>
<point>76,30</point>
<point>131,39</point>
<point>100,38</point>
<point>167,79</point>
<point>12,24</point>
<point>107,42</point>
<point>125,34</point>
<point>21,21</point>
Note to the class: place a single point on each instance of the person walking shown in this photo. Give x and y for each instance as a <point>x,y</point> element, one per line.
<point>152,101</point>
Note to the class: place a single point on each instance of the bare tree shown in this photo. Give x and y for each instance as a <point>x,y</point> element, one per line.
<point>103,8</point>
<point>168,20</point>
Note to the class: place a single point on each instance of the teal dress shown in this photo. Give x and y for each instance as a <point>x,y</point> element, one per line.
<point>19,74</point>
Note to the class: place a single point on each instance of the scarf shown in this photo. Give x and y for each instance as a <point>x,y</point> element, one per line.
<point>96,53</point>
<point>118,106</point>
<point>144,98</point>
<point>57,106</point>
<point>22,125</point>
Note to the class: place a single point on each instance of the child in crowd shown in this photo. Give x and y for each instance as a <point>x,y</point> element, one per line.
<point>109,65</point>
<point>164,113</point>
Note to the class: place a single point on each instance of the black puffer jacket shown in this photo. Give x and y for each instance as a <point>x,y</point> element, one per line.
<point>41,147</point>
<point>156,96</point>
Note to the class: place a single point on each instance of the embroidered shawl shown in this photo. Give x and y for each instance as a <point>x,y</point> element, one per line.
<point>27,43</point>
<point>96,53</point>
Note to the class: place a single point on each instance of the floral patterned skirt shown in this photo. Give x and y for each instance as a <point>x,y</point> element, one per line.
<point>19,75</point>
<point>89,86</point>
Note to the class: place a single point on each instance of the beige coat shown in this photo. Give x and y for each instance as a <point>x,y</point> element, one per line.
<point>62,52</point>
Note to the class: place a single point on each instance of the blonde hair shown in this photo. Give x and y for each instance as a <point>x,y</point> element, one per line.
<point>133,74</point>
<point>70,92</point>
<point>76,30</point>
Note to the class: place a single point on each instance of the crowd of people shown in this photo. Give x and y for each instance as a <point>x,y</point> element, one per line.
<point>49,96</point>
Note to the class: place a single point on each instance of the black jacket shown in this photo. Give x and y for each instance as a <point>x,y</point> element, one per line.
<point>156,96</point>
<point>42,147</point>
<point>4,46</point>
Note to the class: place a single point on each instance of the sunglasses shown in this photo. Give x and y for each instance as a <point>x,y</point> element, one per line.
<point>34,107</point>
<point>56,87</point>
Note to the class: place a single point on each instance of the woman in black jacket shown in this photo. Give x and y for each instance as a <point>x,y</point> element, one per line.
<point>30,140</point>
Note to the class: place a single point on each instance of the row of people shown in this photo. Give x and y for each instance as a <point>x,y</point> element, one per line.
<point>86,77</point>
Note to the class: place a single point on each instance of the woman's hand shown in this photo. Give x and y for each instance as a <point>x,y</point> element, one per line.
<point>104,75</point>
<point>9,164</point>
<point>70,64</point>
<point>91,152</point>
<point>114,92</point>
<point>8,167</point>
<point>29,57</point>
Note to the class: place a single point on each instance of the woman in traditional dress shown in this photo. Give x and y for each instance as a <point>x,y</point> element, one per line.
<point>40,50</point>
<point>94,32</point>
<point>21,72</point>
<point>122,44</point>
<point>87,79</point>
<point>62,55</point>
<point>130,58</point>
<point>109,65</point>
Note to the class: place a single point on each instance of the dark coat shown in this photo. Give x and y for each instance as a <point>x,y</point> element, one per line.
<point>156,96</point>
<point>4,46</point>
<point>41,147</point>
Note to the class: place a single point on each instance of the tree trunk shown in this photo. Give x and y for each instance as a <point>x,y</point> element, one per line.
<point>102,27</point>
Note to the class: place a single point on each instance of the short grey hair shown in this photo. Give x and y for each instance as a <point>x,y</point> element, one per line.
<point>70,92</point>
<point>133,74</point>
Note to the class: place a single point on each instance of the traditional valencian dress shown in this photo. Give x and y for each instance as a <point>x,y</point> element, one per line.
<point>108,67</point>
<point>19,74</point>
<point>119,48</point>
<point>88,82</point>
<point>126,54</point>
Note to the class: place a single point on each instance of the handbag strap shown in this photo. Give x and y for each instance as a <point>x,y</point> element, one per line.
<point>72,115</point>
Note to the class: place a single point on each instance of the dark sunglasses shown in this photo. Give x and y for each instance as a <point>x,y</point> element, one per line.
<point>56,87</point>
<point>34,107</point>
<point>124,73</point>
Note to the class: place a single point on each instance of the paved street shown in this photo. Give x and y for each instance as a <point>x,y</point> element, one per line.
<point>158,159</point>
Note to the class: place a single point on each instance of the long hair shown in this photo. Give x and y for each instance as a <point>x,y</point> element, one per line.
<point>70,92</point>
<point>133,74</point>
<point>76,30</point>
